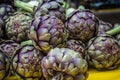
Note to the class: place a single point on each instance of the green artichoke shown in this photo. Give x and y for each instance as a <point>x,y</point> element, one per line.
<point>26,63</point>
<point>17,26</point>
<point>82,25</point>
<point>76,46</point>
<point>4,66</point>
<point>103,53</point>
<point>5,12</point>
<point>9,47</point>
<point>64,64</point>
<point>103,28</point>
<point>52,8</point>
<point>47,32</point>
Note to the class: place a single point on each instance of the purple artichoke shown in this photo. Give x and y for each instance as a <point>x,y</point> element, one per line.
<point>103,53</point>
<point>47,32</point>
<point>17,26</point>
<point>52,8</point>
<point>5,12</point>
<point>76,46</point>
<point>64,64</point>
<point>82,25</point>
<point>26,63</point>
<point>103,28</point>
<point>4,65</point>
<point>9,47</point>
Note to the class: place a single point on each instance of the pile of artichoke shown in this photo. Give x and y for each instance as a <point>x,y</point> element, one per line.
<point>44,42</point>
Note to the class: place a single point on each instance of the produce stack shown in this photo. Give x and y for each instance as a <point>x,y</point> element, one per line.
<point>43,43</point>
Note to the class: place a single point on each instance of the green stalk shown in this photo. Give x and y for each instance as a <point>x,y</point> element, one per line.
<point>28,42</point>
<point>24,6</point>
<point>114,31</point>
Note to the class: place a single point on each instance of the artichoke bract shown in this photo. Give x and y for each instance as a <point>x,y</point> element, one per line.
<point>5,12</point>
<point>82,25</point>
<point>103,53</point>
<point>26,63</point>
<point>9,47</point>
<point>4,66</point>
<point>103,28</point>
<point>47,32</point>
<point>64,64</point>
<point>51,7</point>
<point>118,38</point>
<point>76,46</point>
<point>17,26</point>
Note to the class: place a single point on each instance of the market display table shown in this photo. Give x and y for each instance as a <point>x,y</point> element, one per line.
<point>104,75</point>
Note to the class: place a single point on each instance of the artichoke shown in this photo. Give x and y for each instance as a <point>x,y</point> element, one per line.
<point>17,26</point>
<point>76,46</point>
<point>26,63</point>
<point>64,64</point>
<point>52,8</point>
<point>103,53</point>
<point>47,32</point>
<point>82,25</point>
<point>5,12</point>
<point>9,47</point>
<point>103,28</point>
<point>4,66</point>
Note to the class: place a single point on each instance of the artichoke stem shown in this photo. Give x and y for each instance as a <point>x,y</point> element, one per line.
<point>81,7</point>
<point>114,31</point>
<point>28,42</point>
<point>24,6</point>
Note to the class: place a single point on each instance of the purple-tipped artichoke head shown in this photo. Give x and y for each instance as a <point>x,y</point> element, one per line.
<point>47,32</point>
<point>52,8</point>
<point>26,63</point>
<point>9,47</point>
<point>64,64</point>
<point>17,26</point>
<point>103,28</point>
<point>76,46</point>
<point>4,66</point>
<point>103,53</point>
<point>5,12</point>
<point>82,25</point>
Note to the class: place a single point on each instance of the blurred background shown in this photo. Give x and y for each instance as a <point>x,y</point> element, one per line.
<point>107,10</point>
